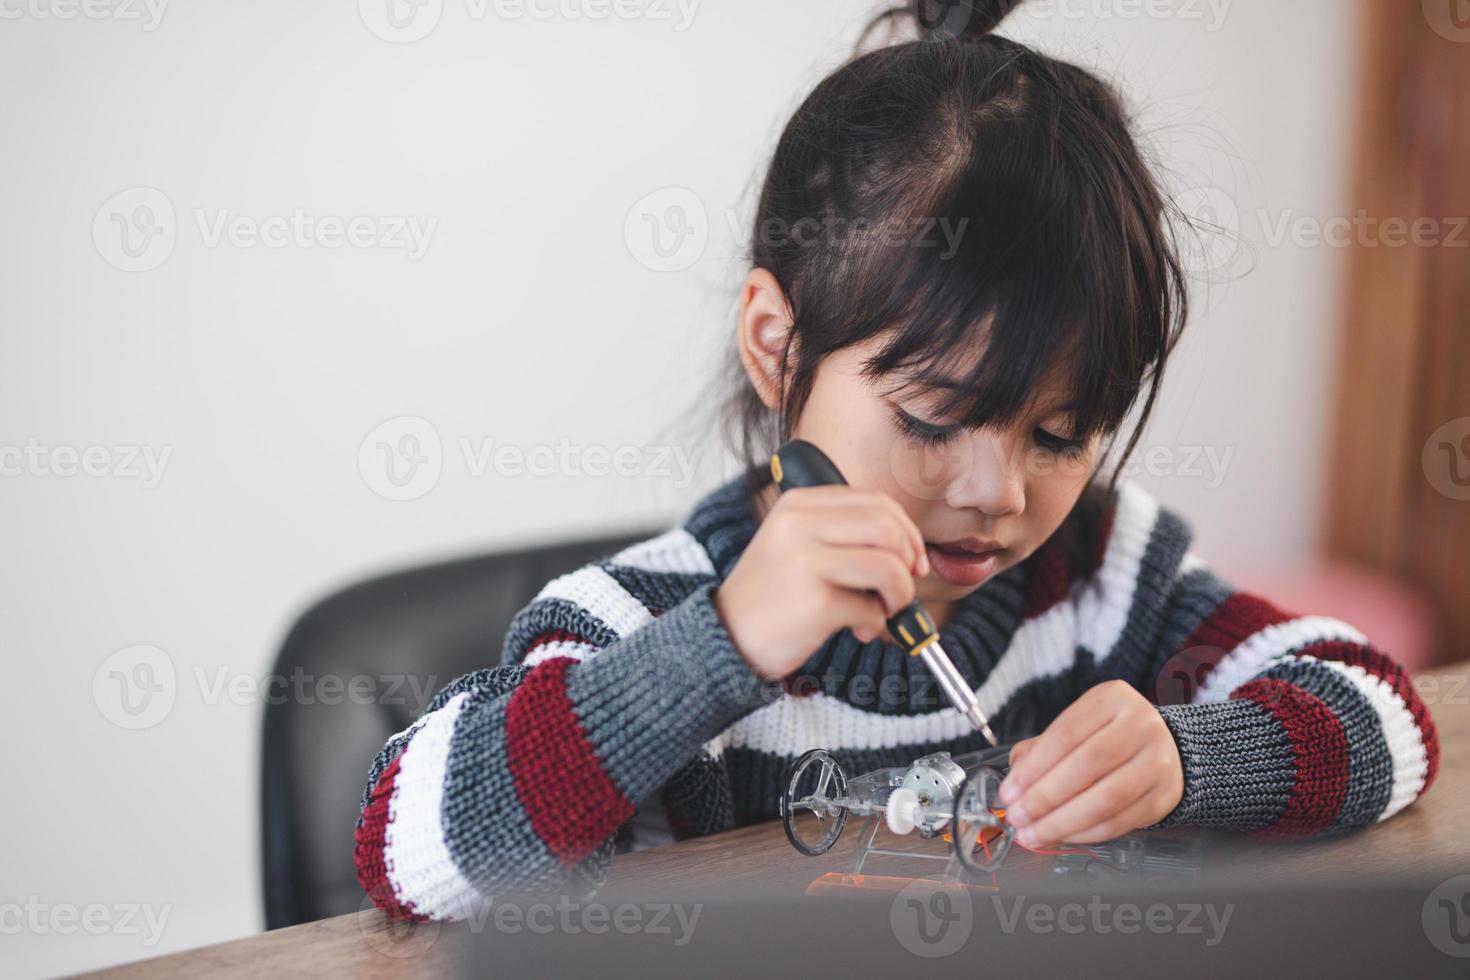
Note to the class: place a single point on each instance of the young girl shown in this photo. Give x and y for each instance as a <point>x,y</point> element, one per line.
<point>961,284</point>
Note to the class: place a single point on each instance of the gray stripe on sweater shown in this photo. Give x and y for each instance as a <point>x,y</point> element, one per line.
<point>1157,567</point>
<point>1238,765</point>
<point>495,680</point>
<point>649,703</point>
<point>1195,596</point>
<point>544,615</point>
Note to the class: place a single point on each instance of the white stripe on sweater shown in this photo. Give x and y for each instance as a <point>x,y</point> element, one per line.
<point>558,648</point>
<point>1405,741</point>
<point>420,868</point>
<point>676,551</point>
<point>1040,647</point>
<point>1103,611</point>
<point>791,725</point>
<point>1254,654</point>
<point>597,592</point>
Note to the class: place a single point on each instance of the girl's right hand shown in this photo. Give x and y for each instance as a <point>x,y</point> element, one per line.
<point>823,558</point>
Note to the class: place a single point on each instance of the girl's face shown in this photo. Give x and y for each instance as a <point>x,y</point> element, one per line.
<point>984,500</point>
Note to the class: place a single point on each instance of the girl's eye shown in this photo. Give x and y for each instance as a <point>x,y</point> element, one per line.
<point>1060,445</point>
<point>925,432</point>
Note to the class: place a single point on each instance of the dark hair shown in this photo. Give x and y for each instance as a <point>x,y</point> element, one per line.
<point>1065,259</point>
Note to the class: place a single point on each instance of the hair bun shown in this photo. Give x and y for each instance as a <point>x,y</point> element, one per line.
<point>941,20</point>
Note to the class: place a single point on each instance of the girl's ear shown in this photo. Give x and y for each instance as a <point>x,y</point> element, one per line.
<point>762,333</point>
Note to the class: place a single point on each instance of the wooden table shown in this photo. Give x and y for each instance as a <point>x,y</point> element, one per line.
<point>1430,838</point>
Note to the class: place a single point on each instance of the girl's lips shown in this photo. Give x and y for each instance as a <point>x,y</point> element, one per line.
<point>961,567</point>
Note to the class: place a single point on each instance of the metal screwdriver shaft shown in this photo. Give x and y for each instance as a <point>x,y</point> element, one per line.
<point>800,464</point>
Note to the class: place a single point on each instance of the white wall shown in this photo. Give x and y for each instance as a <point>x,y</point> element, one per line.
<point>529,320</point>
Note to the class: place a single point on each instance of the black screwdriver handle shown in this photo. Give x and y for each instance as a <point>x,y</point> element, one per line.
<point>800,464</point>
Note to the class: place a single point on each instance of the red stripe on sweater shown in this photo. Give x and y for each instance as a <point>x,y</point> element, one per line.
<point>371,849</point>
<point>1240,616</point>
<point>1378,664</point>
<point>1319,751</point>
<point>572,804</point>
<point>1100,544</point>
<point>1050,571</point>
<point>1237,617</point>
<point>1047,581</point>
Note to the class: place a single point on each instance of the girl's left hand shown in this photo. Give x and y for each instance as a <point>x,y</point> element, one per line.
<point>1107,765</point>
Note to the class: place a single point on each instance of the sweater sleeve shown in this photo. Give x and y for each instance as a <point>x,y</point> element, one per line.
<point>1287,725</point>
<point>517,777</point>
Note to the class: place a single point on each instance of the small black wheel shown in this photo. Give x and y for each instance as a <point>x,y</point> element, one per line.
<point>812,818</point>
<point>974,815</point>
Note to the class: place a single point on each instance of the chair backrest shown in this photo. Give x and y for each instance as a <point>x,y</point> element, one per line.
<point>357,667</point>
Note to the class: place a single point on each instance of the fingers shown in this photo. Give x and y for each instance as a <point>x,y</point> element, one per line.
<point>868,568</point>
<point>1104,751</point>
<point>861,527</point>
<point>1020,749</point>
<point>1140,814</point>
<point>1109,802</point>
<point>1128,798</point>
<point>862,517</point>
<point>1072,727</point>
<point>862,612</point>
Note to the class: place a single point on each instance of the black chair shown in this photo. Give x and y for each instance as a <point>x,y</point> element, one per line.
<point>356,668</point>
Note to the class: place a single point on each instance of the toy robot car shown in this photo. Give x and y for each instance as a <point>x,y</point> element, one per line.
<point>938,795</point>
<point>956,798</point>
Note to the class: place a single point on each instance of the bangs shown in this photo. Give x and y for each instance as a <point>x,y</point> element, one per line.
<point>983,211</point>
<point>1019,278</point>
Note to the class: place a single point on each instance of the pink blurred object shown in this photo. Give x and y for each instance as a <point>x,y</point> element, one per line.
<point>1394,615</point>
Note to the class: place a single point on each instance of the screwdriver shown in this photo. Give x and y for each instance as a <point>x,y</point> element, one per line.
<point>800,464</point>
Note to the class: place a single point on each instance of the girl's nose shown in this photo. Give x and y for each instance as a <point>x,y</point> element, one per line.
<point>996,480</point>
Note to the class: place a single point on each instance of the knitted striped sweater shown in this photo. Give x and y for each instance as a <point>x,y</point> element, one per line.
<point>621,708</point>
